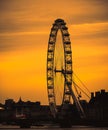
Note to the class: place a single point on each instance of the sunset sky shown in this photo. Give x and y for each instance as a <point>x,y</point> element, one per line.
<point>24,32</point>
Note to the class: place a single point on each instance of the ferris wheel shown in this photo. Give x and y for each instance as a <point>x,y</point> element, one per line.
<point>64,69</point>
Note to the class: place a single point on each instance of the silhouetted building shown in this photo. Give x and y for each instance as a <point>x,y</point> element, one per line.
<point>96,110</point>
<point>98,106</point>
<point>15,110</point>
<point>9,103</point>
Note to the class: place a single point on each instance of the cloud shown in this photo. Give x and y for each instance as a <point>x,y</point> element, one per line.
<point>31,15</point>
<point>24,31</point>
<point>90,31</point>
<point>23,41</point>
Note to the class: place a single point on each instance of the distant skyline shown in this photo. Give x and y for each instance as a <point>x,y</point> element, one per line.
<point>24,32</point>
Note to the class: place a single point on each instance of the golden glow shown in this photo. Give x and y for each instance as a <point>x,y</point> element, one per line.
<point>24,34</point>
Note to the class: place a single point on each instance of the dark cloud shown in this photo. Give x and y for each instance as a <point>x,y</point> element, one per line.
<point>99,2</point>
<point>93,35</point>
<point>9,26</point>
<point>6,44</point>
<point>4,4</point>
<point>22,42</point>
<point>17,26</point>
<point>6,47</point>
<point>14,5</point>
<point>85,18</point>
<point>38,15</point>
<point>24,14</point>
<point>91,11</point>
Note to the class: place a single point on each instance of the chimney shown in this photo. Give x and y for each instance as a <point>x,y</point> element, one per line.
<point>92,95</point>
<point>102,91</point>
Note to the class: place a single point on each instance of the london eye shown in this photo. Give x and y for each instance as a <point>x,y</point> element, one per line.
<point>63,68</point>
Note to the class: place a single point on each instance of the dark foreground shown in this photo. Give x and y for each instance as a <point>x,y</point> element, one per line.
<point>54,127</point>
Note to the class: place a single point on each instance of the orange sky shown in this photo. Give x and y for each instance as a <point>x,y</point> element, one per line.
<point>24,33</point>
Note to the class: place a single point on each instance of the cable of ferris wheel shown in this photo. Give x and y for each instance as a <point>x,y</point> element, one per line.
<point>81,89</point>
<point>82,83</point>
<point>76,89</point>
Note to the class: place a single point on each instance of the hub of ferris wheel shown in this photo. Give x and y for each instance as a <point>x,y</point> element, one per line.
<point>67,72</point>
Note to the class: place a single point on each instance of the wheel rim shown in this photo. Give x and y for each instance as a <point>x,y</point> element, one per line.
<point>59,24</point>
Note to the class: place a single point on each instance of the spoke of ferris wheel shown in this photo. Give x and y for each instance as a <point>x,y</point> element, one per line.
<point>81,82</point>
<point>59,70</point>
<point>75,85</point>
